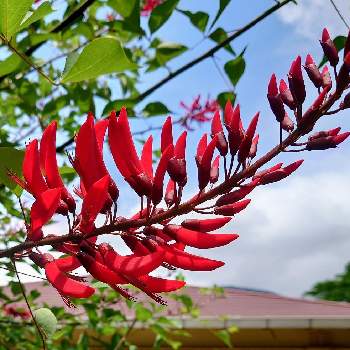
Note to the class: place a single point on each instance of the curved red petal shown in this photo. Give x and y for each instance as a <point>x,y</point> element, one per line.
<point>65,285</point>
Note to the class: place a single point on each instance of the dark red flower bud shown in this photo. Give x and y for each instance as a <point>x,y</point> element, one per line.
<point>343,78</point>
<point>237,195</point>
<point>217,130</point>
<point>332,132</point>
<point>286,95</point>
<point>254,147</point>
<point>177,164</point>
<point>170,193</point>
<point>275,100</point>
<point>231,209</point>
<point>244,148</point>
<point>280,174</point>
<point>329,48</point>
<point>287,123</point>
<point>266,171</point>
<point>322,143</point>
<point>296,81</point>
<point>214,170</point>
<point>346,102</point>
<point>234,131</point>
<point>326,78</point>
<point>198,239</point>
<point>157,190</point>
<point>166,135</point>
<point>312,71</point>
<point>206,225</point>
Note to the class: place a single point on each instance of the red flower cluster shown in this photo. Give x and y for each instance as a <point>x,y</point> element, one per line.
<point>14,311</point>
<point>150,234</point>
<point>198,112</point>
<point>149,6</point>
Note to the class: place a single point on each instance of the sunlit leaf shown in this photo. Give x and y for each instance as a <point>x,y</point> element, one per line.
<point>46,320</point>
<point>10,159</point>
<point>12,13</point>
<point>101,56</point>
<point>43,10</point>
<point>161,14</point>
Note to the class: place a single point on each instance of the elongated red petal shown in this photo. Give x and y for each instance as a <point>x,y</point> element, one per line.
<point>93,202</point>
<point>199,239</point>
<point>31,170</point>
<point>232,209</point>
<point>170,193</point>
<point>44,208</point>
<point>100,131</point>
<point>160,285</point>
<point>228,113</point>
<point>158,183</point>
<point>191,262</point>
<point>266,171</point>
<point>146,157</point>
<point>214,170</point>
<point>166,134</point>
<point>65,285</point>
<point>135,245</point>
<point>235,135</point>
<point>205,225</point>
<point>202,145</point>
<point>244,148</point>
<point>180,146</point>
<point>99,271</point>
<point>122,145</point>
<point>237,195</point>
<point>68,263</point>
<point>216,125</point>
<point>133,265</point>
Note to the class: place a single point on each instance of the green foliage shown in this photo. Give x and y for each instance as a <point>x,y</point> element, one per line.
<point>235,69</point>
<point>12,13</point>
<point>161,14</point>
<point>198,19</point>
<point>10,160</point>
<point>337,289</point>
<point>101,56</point>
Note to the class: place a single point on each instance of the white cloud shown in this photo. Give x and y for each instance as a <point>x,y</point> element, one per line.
<point>309,17</point>
<point>293,234</point>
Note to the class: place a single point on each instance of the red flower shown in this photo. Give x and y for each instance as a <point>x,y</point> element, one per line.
<point>149,6</point>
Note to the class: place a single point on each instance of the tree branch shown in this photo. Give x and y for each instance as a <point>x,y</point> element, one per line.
<point>199,59</point>
<point>188,206</point>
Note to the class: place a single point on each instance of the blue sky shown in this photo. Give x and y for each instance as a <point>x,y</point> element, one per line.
<point>296,232</point>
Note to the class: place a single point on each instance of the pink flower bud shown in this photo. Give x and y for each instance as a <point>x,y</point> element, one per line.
<point>275,100</point>
<point>287,124</point>
<point>217,130</point>
<point>286,95</point>
<point>296,81</point>
<point>329,48</point>
<point>322,143</point>
<point>232,209</point>
<point>312,71</point>
<point>326,78</point>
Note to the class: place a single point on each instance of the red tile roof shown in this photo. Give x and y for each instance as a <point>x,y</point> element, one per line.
<point>234,303</point>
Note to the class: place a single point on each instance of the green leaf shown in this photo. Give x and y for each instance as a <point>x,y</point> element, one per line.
<point>198,19</point>
<point>143,314</point>
<point>12,13</point>
<point>235,69</point>
<point>339,43</point>
<point>223,97</point>
<point>122,7</point>
<point>219,35</point>
<point>167,51</point>
<point>155,108</point>
<point>46,321</point>
<point>10,64</point>
<point>223,4</point>
<point>10,159</point>
<point>43,10</point>
<point>161,14</point>
<point>117,105</point>
<point>225,337</point>
<point>101,56</point>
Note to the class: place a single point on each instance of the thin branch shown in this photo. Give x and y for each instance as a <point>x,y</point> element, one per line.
<point>23,273</point>
<point>186,207</point>
<point>123,338</point>
<point>28,305</point>
<point>199,59</point>
<point>339,13</point>
<point>27,60</point>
